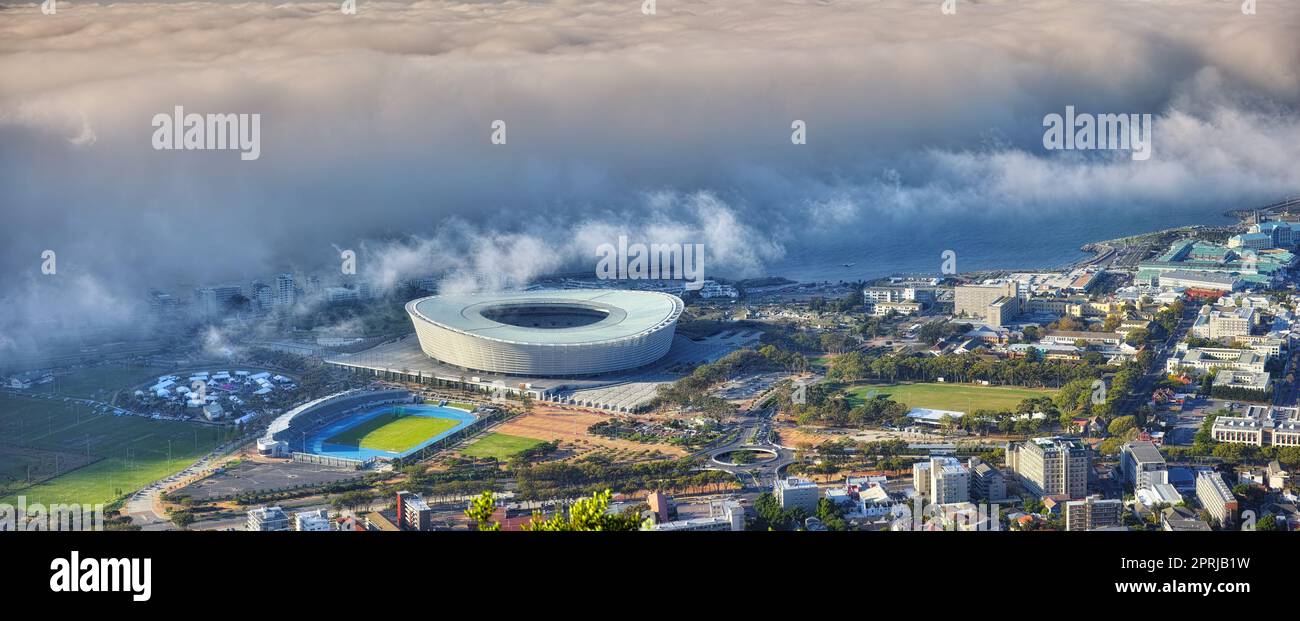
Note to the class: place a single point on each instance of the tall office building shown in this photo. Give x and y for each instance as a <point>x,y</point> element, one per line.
<point>974,300</point>
<point>1141,461</point>
<point>412,512</point>
<point>284,292</point>
<point>1217,498</point>
<point>943,480</point>
<point>161,304</point>
<point>1052,466</point>
<point>795,492</point>
<point>986,481</point>
<point>212,301</point>
<point>949,481</point>
<point>262,296</point>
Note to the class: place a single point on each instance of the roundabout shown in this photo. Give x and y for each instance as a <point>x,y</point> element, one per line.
<point>744,456</point>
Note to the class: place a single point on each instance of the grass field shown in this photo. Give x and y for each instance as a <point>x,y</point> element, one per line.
<point>821,362</point>
<point>499,445</point>
<point>958,397</point>
<point>98,382</point>
<point>468,407</point>
<point>393,432</point>
<point>130,451</point>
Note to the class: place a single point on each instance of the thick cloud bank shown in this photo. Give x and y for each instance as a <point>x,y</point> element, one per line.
<point>676,127</point>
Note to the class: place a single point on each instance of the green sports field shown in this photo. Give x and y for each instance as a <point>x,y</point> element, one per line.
<point>393,432</point>
<point>102,382</point>
<point>821,362</point>
<point>78,457</point>
<point>958,397</point>
<point>499,445</point>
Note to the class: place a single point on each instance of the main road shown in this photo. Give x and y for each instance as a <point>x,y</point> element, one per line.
<point>1162,351</point>
<point>754,433</point>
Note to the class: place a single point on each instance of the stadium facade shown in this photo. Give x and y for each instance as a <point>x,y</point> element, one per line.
<point>547,333</point>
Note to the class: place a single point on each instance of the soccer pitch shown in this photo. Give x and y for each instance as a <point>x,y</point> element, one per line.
<point>393,432</point>
<point>500,446</point>
<point>41,438</point>
<point>956,397</point>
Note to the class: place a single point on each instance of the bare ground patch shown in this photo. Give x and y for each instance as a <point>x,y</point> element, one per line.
<point>569,427</point>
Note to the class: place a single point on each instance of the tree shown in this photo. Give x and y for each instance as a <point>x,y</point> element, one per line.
<point>356,499</point>
<point>587,514</point>
<point>480,510</point>
<point>768,511</point>
<point>831,514</point>
<point>1121,425</point>
<point>1069,324</point>
<point>1112,323</point>
<point>182,519</point>
<point>1137,337</point>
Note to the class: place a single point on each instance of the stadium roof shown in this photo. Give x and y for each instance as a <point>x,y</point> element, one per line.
<point>628,314</point>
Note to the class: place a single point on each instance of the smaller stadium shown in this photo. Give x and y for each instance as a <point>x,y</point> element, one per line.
<point>388,431</point>
<point>359,427</point>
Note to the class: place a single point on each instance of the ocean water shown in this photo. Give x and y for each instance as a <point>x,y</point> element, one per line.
<point>979,242</point>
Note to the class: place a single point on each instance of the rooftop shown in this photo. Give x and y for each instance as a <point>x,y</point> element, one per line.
<point>614,314</point>
<point>1144,452</point>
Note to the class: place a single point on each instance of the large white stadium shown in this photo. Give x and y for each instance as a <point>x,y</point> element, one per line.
<point>547,333</point>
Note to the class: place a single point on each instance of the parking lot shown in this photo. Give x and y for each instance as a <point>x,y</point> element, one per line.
<point>264,477</point>
<point>1189,420</point>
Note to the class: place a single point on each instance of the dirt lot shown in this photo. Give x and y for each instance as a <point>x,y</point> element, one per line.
<point>808,437</point>
<point>569,426</point>
<point>802,437</point>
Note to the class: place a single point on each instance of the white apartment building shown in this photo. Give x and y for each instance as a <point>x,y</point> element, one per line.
<point>882,309</point>
<point>974,300</point>
<point>1092,513</point>
<point>1142,464</point>
<point>1224,322</point>
<point>1263,345</point>
<point>1201,360</point>
<point>942,480</point>
<point>313,521</point>
<point>723,515</point>
<point>1229,378</point>
<point>1260,425</point>
<point>795,492</point>
<point>285,294</point>
<point>267,519</point>
<point>1051,466</point>
<point>949,481</point>
<point>1215,495</point>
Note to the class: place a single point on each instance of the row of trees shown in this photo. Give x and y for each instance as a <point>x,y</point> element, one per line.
<point>835,410</point>
<point>854,366</point>
<point>562,480</point>
<point>585,514</point>
<point>693,390</point>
